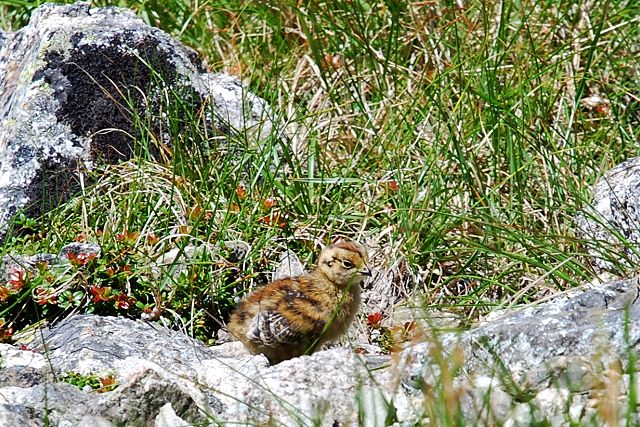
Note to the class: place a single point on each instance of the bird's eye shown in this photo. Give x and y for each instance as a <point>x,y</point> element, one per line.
<point>348,264</point>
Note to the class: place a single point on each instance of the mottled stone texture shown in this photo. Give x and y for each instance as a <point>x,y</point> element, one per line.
<point>564,348</point>
<point>555,363</point>
<point>613,217</point>
<point>69,83</point>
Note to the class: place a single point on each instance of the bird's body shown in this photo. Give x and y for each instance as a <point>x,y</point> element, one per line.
<point>294,316</point>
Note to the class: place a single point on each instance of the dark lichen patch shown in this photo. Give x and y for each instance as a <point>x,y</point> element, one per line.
<point>23,155</point>
<point>108,84</point>
<point>22,376</point>
<point>56,181</point>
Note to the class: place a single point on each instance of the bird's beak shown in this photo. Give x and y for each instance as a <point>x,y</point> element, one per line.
<point>366,271</point>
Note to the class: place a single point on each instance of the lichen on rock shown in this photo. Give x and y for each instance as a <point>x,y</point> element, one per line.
<point>71,82</point>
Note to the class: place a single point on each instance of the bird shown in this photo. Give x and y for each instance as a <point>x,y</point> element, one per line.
<point>294,316</point>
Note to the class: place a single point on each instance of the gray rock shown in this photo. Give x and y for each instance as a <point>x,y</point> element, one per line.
<point>68,83</point>
<point>176,260</point>
<point>18,415</point>
<point>13,358</point>
<point>21,376</point>
<point>557,362</point>
<point>95,421</point>
<point>167,417</point>
<point>289,266</point>
<point>144,390</point>
<point>13,264</point>
<point>235,109</point>
<point>78,344</point>
<point>77,248</point>
<point>611,221</point>
<point>553,349</point>
<point>50,400</point>
<point>155,367</point>
<point>302,383</point>
<point>150,364</point>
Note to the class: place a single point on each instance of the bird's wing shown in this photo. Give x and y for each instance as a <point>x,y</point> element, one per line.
<point>271,329</point>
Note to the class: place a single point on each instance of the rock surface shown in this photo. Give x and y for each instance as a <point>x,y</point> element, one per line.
<point>613,216</point>
<point>562,361</point>
<point>69,83</point>
<point>547,357</point>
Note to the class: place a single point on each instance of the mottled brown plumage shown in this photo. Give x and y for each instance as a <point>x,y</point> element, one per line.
<point>294,316</point>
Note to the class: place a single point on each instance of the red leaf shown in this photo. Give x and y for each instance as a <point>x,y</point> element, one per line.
<point>16,278</point>
<point>269,202</point>
<point>241,191</point>
<point>374,320</point>
<point>81,258</point>
<point>98,293</point>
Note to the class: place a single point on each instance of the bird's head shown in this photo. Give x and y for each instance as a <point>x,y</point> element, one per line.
<point>344,264</point>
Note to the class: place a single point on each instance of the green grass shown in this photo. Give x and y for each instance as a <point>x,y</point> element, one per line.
<point>452,140</point>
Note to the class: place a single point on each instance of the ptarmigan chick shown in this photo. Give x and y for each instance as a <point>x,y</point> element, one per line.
<point>295,316</point>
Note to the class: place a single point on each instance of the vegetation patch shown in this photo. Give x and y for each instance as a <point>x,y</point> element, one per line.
<point>100,384</point>
<point>457,140</point>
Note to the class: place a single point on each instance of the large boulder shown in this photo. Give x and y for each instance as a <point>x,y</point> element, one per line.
<point>72,83</point>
